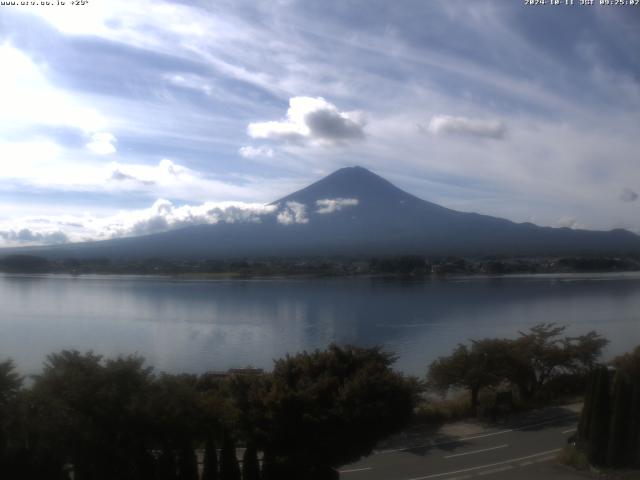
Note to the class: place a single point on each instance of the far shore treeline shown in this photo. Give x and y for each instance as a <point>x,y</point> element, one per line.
<point>412,265</point>
<point>88,417</point>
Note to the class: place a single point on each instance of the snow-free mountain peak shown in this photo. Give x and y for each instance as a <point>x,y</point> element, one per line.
<point>349,182</point>
<point>356,212</point>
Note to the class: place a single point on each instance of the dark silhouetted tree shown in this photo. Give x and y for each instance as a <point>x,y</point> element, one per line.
<point>620,439</point>
<point>167,468</point>
<point>250,464</point>
<point>598,437</point>
<point>229,468</point>
<point>187,463</point>
<point>210,465</point>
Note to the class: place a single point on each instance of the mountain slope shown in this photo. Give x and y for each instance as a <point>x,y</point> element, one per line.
<point>351,212</point>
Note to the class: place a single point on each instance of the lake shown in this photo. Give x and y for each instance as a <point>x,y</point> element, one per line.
<point>182,325</point>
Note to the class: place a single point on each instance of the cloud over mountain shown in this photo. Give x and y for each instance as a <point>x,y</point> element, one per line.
<point>293,212</point>
<point>330,205</point>
<point>312,120</point>
<point>26,236</point>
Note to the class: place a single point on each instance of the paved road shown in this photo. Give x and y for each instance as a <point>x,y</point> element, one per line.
<point>520,452</point>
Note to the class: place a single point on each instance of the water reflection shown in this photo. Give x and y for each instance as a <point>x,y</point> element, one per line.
<point>184,325</point>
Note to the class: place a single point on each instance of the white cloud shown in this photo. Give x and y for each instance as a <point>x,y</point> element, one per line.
<point>253,152</point>
<point>330,205</point>
<point>311,120</point>
<point>28,98</point>
<point>163,215</point>
<point>446,124</point>
<point>102,143</point>
<point>293,212</point>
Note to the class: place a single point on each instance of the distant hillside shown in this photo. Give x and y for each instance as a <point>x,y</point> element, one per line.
<point>355,212</point>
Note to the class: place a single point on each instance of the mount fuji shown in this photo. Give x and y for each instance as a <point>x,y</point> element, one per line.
<point>354,212</point>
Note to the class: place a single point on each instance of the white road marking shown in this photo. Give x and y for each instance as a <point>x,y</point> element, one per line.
<point>496,470</point>
<point>476,451</point>
<point>353,470</point>
<point>474,437</point>
<point>481,467</point>
<point>545,459</point>
<point>571,430</point>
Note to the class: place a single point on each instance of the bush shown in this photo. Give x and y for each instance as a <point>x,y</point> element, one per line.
<point>446,410</point>
<point>574,457</point>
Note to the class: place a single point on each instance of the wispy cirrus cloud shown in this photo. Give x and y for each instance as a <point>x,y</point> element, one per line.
<point>252,152</point>
<point>183,80</point>
<point>447,124</point>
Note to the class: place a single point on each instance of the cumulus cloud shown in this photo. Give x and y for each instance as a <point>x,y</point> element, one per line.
<point>253,152</point>
<point>446,124</point>
<point>26,236</point>
<point>312,120</point>
<point>163,215</point>
<point>330,205</point>
<point>293,212</point>
<point>102,143</point>
<point>628,195</point>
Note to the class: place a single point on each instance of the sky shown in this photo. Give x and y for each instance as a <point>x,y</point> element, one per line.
<point>122,118</point>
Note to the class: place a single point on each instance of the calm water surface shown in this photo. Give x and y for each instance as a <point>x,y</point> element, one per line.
<point>193,326</point>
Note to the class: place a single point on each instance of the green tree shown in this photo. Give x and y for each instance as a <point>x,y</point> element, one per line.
<point>480,366</point>
<point>630,364</point>
<point>176,409</point>
<point>93,414</point>
<point>541,353</point>
<point>328,408</point>
<point>10,385</point>
<point>10,382</point>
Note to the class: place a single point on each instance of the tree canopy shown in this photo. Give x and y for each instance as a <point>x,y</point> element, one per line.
<point>115,418</point>
<point>528,362</point>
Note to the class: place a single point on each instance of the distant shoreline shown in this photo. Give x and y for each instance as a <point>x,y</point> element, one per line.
<point>407,266</point>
